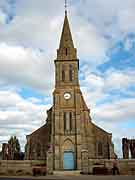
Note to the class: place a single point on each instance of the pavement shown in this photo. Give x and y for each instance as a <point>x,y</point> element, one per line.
<point>80,177</point>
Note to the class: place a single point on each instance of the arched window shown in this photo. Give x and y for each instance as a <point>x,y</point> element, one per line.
<point>38,150</point>
<point>100,149</point>
<point>108,150</point>
<point>68,121</point>
<point>63,73</point>
<point>70,73</point>
<point>66,51</point>
<point>33,151</point>
<point>64,120</point>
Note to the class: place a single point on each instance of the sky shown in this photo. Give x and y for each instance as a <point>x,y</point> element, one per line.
<point>104,35</point>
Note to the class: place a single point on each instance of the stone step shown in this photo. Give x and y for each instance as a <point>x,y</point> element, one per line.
<point>67,173</point>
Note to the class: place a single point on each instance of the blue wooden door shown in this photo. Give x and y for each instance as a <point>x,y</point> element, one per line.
<point>68,160</point>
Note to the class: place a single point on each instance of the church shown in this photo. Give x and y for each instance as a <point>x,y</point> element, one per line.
<point>69,129</point>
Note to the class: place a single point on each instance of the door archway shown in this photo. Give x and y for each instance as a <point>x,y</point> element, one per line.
<point>68,155</point>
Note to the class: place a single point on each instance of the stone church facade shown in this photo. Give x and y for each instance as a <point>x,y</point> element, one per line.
<point>69,129</point>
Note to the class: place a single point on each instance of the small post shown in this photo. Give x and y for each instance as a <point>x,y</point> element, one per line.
<point>50,161</point>
<point>85,162</point>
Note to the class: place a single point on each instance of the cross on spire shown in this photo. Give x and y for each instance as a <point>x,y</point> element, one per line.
<point>65,6</point>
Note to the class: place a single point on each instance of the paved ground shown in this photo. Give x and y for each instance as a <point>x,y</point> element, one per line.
<point>83,177</point>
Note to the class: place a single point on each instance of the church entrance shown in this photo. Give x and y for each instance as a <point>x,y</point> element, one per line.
<point>69,160</point>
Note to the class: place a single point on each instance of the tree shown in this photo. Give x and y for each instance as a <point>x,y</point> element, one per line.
<point>15,148</point>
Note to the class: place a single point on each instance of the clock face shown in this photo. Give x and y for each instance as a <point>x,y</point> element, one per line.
<point>67,96</point>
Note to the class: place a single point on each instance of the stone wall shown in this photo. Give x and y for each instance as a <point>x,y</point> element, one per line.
<point>18,168</point>
<point>11,167</point>
<point>126,166</point>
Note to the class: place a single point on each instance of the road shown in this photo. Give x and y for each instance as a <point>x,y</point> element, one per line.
<point>83,177</point>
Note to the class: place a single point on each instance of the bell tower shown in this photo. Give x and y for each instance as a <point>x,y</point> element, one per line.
<point>66,64</point>
<point>66,109</point>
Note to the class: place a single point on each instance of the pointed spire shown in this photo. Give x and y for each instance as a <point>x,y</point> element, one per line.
<point>66,37</point>
<point>66,49</point>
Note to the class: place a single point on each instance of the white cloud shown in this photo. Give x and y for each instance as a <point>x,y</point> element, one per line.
<point>94,80</point>
<point>90,44</point>
<point>25,67</point>
<point>111,18</point>
<point>119,79</point>
<point>97,86</point>
<point>2,17</point>
<point>120,110</point>
<point>126,20</point>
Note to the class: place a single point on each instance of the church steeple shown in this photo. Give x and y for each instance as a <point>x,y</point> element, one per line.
<point>66,37</point>
<point>66,49</point>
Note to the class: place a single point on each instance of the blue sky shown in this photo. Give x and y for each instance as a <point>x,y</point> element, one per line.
<point>104,35</point>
